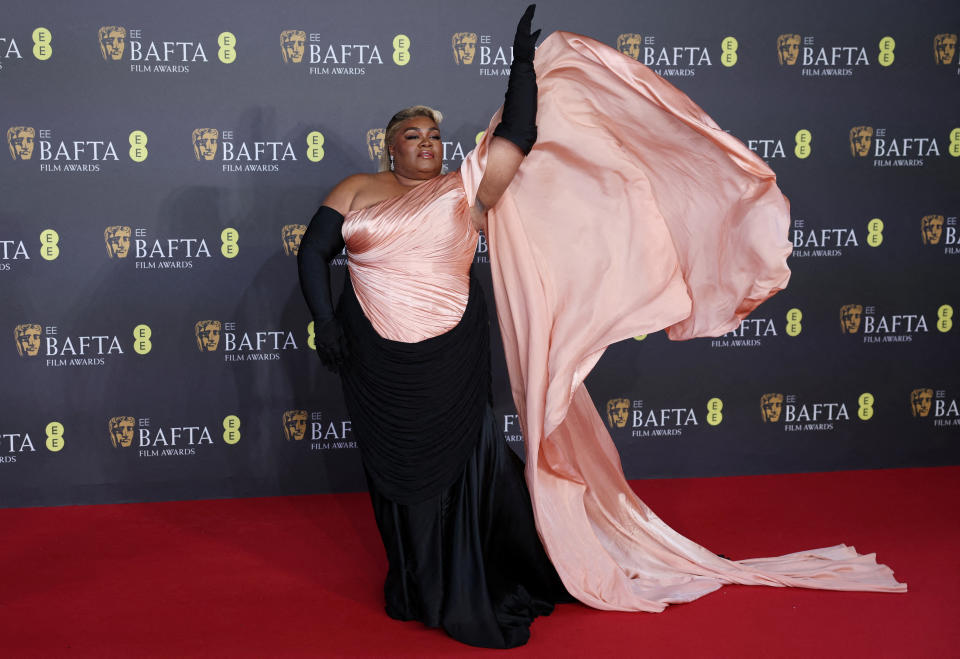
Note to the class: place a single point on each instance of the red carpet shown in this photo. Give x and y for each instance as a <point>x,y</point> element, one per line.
<point>301,577</point>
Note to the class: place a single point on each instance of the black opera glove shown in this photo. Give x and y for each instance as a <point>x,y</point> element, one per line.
<point>319,245</point>
<point>519,120</point>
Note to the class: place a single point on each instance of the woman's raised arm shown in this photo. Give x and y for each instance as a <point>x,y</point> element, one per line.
<point>517,131</point>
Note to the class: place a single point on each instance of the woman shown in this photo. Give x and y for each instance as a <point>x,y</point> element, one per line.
<point>683,229</point>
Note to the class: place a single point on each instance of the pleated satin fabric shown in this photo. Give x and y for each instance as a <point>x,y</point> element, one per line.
<point>634,212</point>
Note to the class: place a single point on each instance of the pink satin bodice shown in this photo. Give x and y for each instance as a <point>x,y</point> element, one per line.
<point>409,259</point>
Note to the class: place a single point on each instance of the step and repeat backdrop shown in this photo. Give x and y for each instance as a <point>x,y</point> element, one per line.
<point>164,160</point>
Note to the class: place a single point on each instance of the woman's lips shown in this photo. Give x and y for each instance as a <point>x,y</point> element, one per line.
<point>427,154</point>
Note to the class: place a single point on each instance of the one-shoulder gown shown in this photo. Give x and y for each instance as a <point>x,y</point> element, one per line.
<point>633,213</point>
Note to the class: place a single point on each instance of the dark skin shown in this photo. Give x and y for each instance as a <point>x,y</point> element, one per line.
<point>417,151</point>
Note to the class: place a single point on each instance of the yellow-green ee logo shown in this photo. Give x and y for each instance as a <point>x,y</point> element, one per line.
<point>794,327</point>
<point>42,49</point>
<point>401,50</point>
<point>865,406</point>
<point>138,146</point>
<point>141,339</point>
<point>227,42</point>
<point>315,146</point>
<point>54,431</point>
<point>886,56</point>
<point>231,429</point>
<point>875,232</point>
<point>728,48</point>
<point>945,318</point>
<point>714,411</point>
<point>48,244</point>
<point>229,238</point>
<point>802,143</point>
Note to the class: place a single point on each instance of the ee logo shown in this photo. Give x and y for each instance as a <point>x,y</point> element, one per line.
<point>227,52</point>
<point>875,232</point>
<point>141,339</point>
<point>231,429</point>
<point>793,322</point>
<point>886,56</point>
<point>41,43</point>
<point>945,318</point>
<point>48,244</point>
<point>729,49</point>
<point>54,432</point>
<point>865,406</point>
<point>229,238</point>
<point>401,50</point>
<point>802,140</point>
<point>138,146</point>
<point>714,413</point>
<point>315,146</point>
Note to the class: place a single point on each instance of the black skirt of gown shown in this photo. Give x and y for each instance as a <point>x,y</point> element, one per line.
<point>462,547</point>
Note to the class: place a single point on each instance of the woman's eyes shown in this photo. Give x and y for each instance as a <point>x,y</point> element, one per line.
<point>413,136</point>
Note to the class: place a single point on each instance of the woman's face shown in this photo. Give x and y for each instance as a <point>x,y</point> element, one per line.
<point>417,150</point>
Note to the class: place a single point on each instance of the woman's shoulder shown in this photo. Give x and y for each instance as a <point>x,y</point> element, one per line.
<point>349,193</point>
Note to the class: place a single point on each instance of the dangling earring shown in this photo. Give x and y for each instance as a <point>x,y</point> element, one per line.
<point>443,169</point>
<point>391,162</point>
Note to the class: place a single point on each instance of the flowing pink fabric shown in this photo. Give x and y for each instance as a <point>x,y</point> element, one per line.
<point>633,213</point>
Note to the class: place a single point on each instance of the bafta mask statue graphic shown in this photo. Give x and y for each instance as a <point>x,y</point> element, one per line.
<point>944,48</point>
<point>292,234</point>
<point>375,144</point>
<point>117,239</point>
<point>860,139</point>
<point>27,336</point>
<point>931,229</point>
<point>850,315</point>
<point>113,38</point>
<point>464,47</point>
<point>292,43</point>
<point>208,335</point>
<point>618,409</point>
<point>20,140</point>
<point>788,48</point>
<point>771,405</point>
<point>205,143</point>
<point>629,45</point>
<point>294,424</point>
<point>921,400</point>
<point>121,431</point>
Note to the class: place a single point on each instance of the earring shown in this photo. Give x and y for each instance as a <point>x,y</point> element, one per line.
<point>391,162</point>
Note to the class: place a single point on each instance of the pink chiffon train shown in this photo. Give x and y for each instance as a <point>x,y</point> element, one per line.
<point>633,213</point>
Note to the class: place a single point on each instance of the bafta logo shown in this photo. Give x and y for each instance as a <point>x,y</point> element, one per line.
<point>205,143</point>
<point>850,315</point>
<point>292,234</point>
<point>771,405</point>
<point>291,45</point>
<point>931,229</point>
<point>375,144</point>
<point>944,48</point>
<point>617,411</point>
<point>20,141</point>
<point>121,431</point>
<point>788,48</point>
<point>860,139</point>
<point>113,38</point>
<point>920,401</point>
<point>27,336</point>
<point>208,335</point>
<point>629,45</point>
<point>294,424</point>
<point>117,239</point>
<point>464,47</point>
